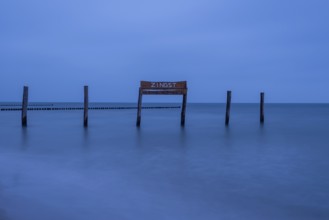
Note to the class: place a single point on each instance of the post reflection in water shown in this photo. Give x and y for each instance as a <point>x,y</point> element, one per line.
<point>24,138</point>
<point>85,142</point>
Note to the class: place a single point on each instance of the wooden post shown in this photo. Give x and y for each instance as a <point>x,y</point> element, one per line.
<point>24,105</point>
<point>182,119</point>
<point>228,107</point>
<point>139,110</point>
<point>85,113</point>
<point>262,107</point>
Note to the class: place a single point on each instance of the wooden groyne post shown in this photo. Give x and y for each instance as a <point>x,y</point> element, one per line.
<point>24,105</point>
<point>228,107</point>
<point>162,88</point>
<point>182,118</point>
<point>262,107</point>
<point>85,109</point>
<point>139,107</point>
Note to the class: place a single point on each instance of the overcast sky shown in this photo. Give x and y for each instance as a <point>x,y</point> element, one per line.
<point>280,47</point>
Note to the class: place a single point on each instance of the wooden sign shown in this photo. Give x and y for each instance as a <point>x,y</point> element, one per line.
<point>162,88</point>
<point>163,85</point>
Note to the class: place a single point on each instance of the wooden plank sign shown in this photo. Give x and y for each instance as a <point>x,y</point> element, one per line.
<point>163,85</point>
<point>162,88</point>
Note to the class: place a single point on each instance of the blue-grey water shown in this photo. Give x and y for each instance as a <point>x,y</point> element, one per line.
<point>56,169</point>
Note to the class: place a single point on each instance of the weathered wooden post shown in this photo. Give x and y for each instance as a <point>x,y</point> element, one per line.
<point>139,107</point>
<point>24,105</point>
<point>262,107</point>
<point>85,112</point>
<point>162,88</point>
<point>182,118</point>
<point>228,108</point>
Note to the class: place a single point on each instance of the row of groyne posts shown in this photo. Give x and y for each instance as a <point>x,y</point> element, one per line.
<point>148,88</point>
<point>228,107</point>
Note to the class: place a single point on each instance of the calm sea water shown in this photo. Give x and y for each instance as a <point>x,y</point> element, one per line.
<point>56,169</point>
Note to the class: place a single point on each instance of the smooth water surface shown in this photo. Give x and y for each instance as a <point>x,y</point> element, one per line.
<point>57,169</point>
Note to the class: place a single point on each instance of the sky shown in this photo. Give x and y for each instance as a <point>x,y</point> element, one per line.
<point>279,47</point>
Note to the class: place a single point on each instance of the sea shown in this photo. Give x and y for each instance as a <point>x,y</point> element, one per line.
<point>55,168</point>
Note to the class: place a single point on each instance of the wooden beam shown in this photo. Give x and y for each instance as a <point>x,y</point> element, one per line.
<point>24,105</point>
<point>182,120</point>
<point>139,107</point>
<point>262,118</point>
<point>86,103</point>
<point>164,92</point>
<point>228,107</point>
